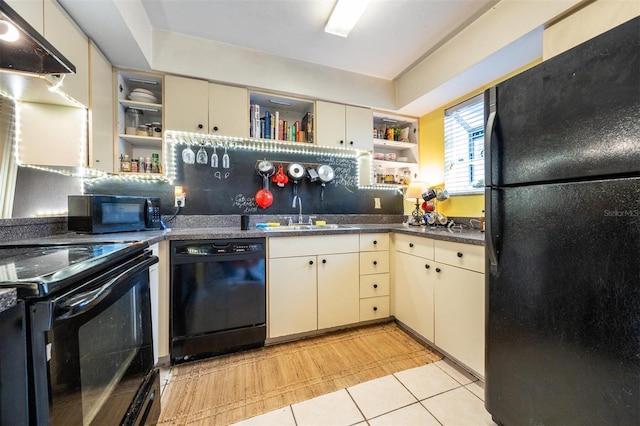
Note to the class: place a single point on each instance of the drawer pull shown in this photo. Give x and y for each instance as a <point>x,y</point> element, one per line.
<point>375,242</point>
<point>375,308</point>
<point>410,244</point>
<point>427,266</point>
<point>324,260</point>
<point>311,262</point>
<point>375,286</point>
<point>375,262</point>
<point>438,270</point>
<point>459,254</point>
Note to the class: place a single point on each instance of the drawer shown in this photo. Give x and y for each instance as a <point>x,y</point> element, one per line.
<point>374,262</point>
<point>374,242</point>
<point>465,256</point>
<point>313,245</point>
<point>374,308</point>
<point>374,285</point>
<point>417,246</point>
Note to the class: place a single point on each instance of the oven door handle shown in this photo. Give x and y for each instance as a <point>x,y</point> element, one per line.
<point>69,307</point>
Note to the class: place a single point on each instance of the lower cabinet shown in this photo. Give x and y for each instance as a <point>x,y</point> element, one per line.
<point>317,289</point>
<point>439,293</point>
<point>413,293</point>
<point>459,314</point>
<point>293,297</point>
<point>338,290</point>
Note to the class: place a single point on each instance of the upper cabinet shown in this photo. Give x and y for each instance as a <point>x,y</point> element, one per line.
<point>344,126</point>
<point>100,111</point>
<point>52,135</point>
<point>139,112</point>
<point>31,11</point>
<point>228,112</point>
<point>281,118</point>
<point>199,106</point>
<point>395,141</point>
<point>64,34</point>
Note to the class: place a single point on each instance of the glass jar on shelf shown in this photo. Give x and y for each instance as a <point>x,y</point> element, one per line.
<point>132,120</point>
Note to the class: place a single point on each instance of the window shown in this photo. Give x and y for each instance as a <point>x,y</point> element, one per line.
<point>464,147</point>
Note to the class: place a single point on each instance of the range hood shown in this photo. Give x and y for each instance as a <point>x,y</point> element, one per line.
<point>24,50</point>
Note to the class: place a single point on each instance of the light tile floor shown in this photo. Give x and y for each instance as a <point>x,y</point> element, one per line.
<point>437,394</point>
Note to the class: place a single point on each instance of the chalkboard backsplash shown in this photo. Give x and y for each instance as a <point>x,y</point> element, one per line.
<point>232,189</point>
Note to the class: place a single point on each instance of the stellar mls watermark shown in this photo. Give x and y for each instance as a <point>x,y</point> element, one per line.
<point>622,213</point>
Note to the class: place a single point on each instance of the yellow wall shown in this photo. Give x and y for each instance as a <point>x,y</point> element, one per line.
<point>432,154</point>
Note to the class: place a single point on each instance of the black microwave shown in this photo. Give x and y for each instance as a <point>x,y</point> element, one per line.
<point>98,214</point>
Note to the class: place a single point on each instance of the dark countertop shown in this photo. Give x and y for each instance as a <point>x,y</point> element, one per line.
<point>464,235</point>
<point>8,297</point>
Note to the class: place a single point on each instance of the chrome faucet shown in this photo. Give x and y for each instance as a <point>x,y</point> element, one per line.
<point>299,210</point>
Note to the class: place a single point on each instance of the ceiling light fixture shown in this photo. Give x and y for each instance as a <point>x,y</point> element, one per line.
<point>344,16</point>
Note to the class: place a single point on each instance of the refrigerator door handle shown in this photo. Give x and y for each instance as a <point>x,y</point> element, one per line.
<point>488,136</point>
<point>492,253</point>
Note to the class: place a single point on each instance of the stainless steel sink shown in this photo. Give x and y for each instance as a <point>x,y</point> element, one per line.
<point>303,227</point>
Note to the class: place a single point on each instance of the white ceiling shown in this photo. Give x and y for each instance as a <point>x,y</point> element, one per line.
<point>390,36</point>
<point>409,56</point>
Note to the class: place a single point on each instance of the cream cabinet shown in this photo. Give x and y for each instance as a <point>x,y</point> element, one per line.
<point>228,110</point>
<point>52,135</point>
<point>312,283</point>
<point>460,302</point>
<point>64,35</point>
<point>100,111</point>
<point>414,299</point>
<point>186,104</point>
<point>199,106</point>
<point>338,290</point>
<point>344,126</point>
<point>293,297</point>
<point>374,276</point>
<point>31,11</point>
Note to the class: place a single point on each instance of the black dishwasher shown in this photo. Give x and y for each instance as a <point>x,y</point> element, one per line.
<point>218,297</point>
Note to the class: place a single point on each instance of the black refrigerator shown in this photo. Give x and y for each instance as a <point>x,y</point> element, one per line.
<point>562,197</point>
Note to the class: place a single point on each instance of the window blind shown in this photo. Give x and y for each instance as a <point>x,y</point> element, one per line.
<point>464,147</point>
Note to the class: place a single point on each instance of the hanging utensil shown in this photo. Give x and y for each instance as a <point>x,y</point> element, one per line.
<point>201,156</point>
<point>296,173</point>
<point>214,158</point>
<point>225,159</point>
<point>326,174</point>
<point>264,197</point>
<point>280,178</point>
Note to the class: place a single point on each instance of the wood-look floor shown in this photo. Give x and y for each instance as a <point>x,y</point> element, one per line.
<point>230,388</point>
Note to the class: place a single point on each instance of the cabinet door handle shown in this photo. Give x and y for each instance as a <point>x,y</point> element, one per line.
<point>375,308</point>
<point>342,142</point>
<point>375,262</point>
<point>350,142</point>
<point>459,254</point>
<point>215,128</point>
<point>410,244</point>
<point>375,242</point>
<point>375,286</point>
<point>200,126</point>
<point>324,260</point>
<point>311,262</point>
<point>427,266</point>
<point>438,269</point>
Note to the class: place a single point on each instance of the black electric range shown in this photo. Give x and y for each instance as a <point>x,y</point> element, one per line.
<point>39,271</point>
<point>78,346</point>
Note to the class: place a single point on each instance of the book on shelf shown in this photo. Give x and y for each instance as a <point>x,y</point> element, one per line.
<point>307,127</point>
